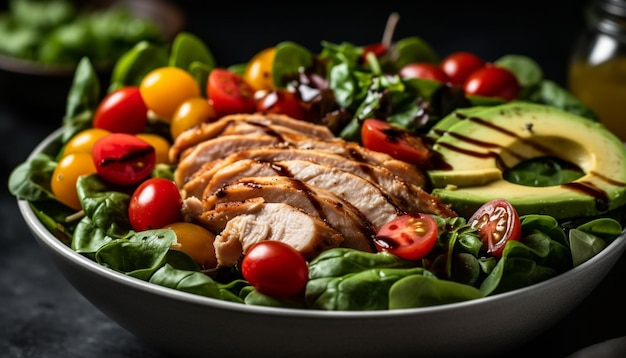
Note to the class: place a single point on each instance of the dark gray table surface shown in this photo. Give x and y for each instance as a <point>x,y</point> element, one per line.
<point>42,315</point>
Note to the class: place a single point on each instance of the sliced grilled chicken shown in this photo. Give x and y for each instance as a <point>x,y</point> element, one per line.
<point>221,147</point>
<point>254,123</point>
<point>327,206</point>
<point>243,223</point>
<point>411,196</point>
<point>373,202</point>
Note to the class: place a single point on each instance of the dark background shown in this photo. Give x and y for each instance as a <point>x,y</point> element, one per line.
<point>41,315</point>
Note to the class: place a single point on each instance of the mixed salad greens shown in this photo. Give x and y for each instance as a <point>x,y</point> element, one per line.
<point>60,32</point>
<point>362,86</point>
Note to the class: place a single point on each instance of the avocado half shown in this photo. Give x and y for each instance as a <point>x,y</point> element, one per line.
<point>479,144</point>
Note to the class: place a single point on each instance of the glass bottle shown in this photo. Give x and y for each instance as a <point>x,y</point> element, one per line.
<point>597,71</point>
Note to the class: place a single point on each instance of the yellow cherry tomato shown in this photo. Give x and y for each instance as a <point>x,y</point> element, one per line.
<point>195,241</point>
<point>65,175</point>
<point>258,72</point>
<point>160,144</point>
<point>83,141</point>
<point>165,88</point>
<point>191,113</point>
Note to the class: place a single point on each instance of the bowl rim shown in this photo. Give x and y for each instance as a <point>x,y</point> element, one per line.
<point>46,238</point>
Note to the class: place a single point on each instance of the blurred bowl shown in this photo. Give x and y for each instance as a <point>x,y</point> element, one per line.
<point>24,82</point>
<point>190,325</point>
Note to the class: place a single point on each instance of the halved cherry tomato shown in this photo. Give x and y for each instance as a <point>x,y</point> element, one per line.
<point>65,175</point>
<point>122,111</point>
<point>275,268</point>
<point>123,159</point>
<point>459,65</point>
<point>154,204</point>
<point>281,101</point>
<point>258,72</point>
<point>195,241</point>
<point>164,89</point>
<point>230,93</point>
<point>409,236</point>
<point>498,223</point>
<point>383,137</point>
<point>492,81</point>
<point>425,70</point>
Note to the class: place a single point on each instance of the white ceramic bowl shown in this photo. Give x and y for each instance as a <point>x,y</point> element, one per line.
<point>189,325</point>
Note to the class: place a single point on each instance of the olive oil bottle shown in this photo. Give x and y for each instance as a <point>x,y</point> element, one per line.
<point>597,71</point>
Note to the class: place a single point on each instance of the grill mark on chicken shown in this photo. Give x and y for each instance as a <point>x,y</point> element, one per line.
<point>236,124</point>
<point>391,183</point>
<point>241,224</point>
<point>221,147</point>
<point>337,212</point>
<point>375,204</point>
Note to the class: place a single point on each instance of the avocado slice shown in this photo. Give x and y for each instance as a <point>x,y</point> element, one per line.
<point>479,147</point>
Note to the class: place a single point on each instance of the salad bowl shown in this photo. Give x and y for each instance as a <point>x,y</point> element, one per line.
<point>189,325</point>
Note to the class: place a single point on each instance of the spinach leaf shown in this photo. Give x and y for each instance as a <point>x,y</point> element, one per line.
<point>107,208</point>
<point>31,179</point>
<point>423,291</point>
<point>140,255</point>
<point>342,261</point>
<point>135,64</point>
<point>82,99</point>
<point>290,59</point>
<point>194,282</point>
<point>365,290</point>
<point>254,297</point>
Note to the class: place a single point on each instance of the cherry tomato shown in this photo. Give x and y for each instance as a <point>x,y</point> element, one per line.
<point>377,48</point>
<point>83,141</point>
<point>122,111</point>
<point>258,72</point>
<point>281,101</point>
<point>154,204</point>
<point>230,93</point>
<point>492,81</point>
<point>275,268</point>
<point>409,236</point>
<point>190,113</point>
<point>160,144</point>
<point>165,88</point>
<point>65,175</point>
<point>425,70</point>
<point>383,137</point>
<point>195,241</point>
<point>123,159</point>
<point>459,65</point>
<point>498,223</point>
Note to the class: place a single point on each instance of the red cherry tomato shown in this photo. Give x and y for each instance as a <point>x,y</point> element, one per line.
<point>154,204</point>
<point>122,111</point>
<point>425,70</point>
<point>283,102</point>
<point>410,236</point>
<point>229,93</point>
<point>498,223</point>
<point>275,268</point>
<point>459,65</point>
<point>123,159</point>
<point>383,137</point>
<point>492,81</point>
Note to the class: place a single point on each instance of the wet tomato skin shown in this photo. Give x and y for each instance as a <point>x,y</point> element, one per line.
<point>459,65</point>
<point>281,102</point>
<point>275,268</point>
<point>424,70</point>
<point>229,93</point>
<point>122,111</point>
<point>155,203</point>
<point>382,137</point>
<point>492,81</point>
<point>409,236</point>
<point>123,159</point>
<point>498,223</point>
